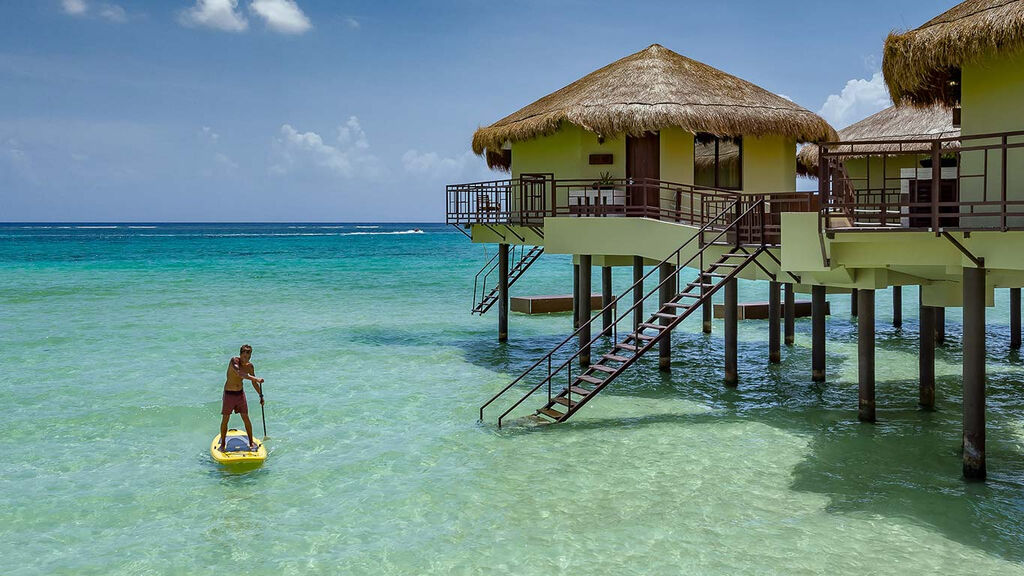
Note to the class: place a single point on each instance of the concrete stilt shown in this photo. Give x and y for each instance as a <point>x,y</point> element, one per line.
<point>940,325</point>
<point>1014,318</point>
<point>897,306</point>
<point>638,290</point>
<point>731,336</point>
<point>665,293</point>
<point>707,308</point>
<point>926,358</point>
<point>818,333</point>
<point>788,314</point>
<point>774,304</point>
<point>606,299</point>
<point>584,297</point>
<point>974,373</point>
<point>853,302</point>
<point>502,292</point>
<point>866,354</point>
<point>575,296</point>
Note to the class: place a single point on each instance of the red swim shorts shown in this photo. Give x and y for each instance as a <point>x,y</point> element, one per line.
<point>234,401</point>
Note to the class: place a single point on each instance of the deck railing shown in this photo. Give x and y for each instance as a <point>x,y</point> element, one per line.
<point>527,200</point>
<point>964,183</point>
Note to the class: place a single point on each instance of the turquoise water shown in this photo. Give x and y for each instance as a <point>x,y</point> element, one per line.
<point>113,348</point>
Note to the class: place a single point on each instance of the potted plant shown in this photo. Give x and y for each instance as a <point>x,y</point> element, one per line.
<point>605,182</point>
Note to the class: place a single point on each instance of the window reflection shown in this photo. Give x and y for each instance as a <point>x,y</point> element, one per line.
<point>718,161</point>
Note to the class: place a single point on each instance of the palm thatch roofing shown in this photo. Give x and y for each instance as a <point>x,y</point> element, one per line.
<point>899,123</point>
<point>922,65</point>
<point>654,89</point>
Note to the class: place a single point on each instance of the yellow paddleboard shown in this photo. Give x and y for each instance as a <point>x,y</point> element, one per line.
<point>237,450</point>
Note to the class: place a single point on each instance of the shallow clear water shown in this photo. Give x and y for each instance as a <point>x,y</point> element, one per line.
<point>113,348</point>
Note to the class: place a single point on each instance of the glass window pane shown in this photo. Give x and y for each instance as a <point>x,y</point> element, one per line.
<point>704,160</point>
<point>730,160</point>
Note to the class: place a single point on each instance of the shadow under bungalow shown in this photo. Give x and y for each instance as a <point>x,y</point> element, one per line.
<point>657,163</point>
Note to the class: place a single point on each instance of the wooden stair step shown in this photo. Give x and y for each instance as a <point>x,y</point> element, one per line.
<point>564,401</point>
<point>603,368</point>
<point>590,379</point>
<point>715,274</point>
<point>735,255</point>
<point>615,358</point>
<point>641,336</point>
<point>653,326</point>
<point>579,391</point>
<point>625,346</point>
<point>665,316</point>
<point>550,413</point>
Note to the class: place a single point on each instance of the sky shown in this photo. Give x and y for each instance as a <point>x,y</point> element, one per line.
<point>346,111</point>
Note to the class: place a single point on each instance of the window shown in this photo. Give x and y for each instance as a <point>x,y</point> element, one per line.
<point>718,162</point>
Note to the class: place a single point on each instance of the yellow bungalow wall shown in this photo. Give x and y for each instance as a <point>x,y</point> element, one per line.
<point>992,99</point>
<point>769,162</point>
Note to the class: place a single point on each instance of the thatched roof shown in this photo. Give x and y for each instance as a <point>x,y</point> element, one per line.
<point>655,89</point>
<point>920,65</point>
<point>893,123</point>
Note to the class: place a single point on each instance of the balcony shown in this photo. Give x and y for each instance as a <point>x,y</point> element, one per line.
<point>963,183</point>
<point>527,200</point>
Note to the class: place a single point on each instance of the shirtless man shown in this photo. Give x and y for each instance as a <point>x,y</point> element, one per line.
<point>239,370</point>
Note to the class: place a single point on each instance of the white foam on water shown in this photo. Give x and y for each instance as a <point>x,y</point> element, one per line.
<point>367,226</point>
<point>95,227</point>
<point>142,227</point>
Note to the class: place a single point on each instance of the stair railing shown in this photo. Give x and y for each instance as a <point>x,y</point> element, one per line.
<point>729,210</point>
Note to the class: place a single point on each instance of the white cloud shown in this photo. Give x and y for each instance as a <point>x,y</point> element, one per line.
<point>220,14</point>
<point>282,16</point>
<point>859,99</point>
<point>114,13</point>
<point>74,7</point>
<point>208,132</point>
<point>348,157</point>
<point>352,23</point>
<point>448,168</point>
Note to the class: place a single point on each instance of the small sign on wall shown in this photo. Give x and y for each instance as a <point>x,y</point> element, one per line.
<point>601,159</point>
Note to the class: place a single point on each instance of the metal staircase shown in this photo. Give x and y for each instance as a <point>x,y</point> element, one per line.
<point>483,298</point>
<point>738,229</point>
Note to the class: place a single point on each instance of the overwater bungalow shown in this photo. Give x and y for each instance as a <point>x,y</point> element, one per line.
<point>659,160</point>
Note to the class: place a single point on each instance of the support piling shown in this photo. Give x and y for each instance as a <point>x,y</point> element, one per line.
<point>853,302</point>
<point>818,333</point>
<point>866,354</point>
<point>502,292</point>
<point>665,293</point>
<point>731,335</point>
<point>926,357</point>
<point>897,306</point>
<point>575,296</point>
<point>789,313</point>
<point>606,299</point>
<point>1014,318</point>
<point>707,308</point>
<point>940,325</point>
<point>774,305</point>
<point>584,307</point>
<point>638,290</point>
<point>974,373</point>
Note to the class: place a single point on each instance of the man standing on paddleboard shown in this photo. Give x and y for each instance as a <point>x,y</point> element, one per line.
<point>240,369</point>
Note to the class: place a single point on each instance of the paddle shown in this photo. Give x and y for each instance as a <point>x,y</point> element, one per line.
<point>263,414</point>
